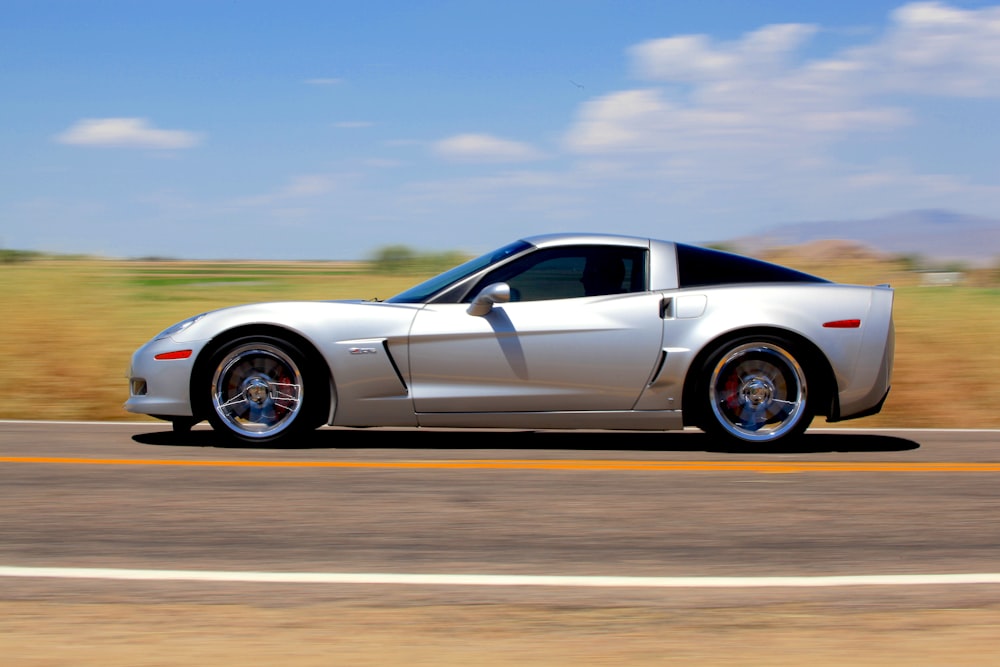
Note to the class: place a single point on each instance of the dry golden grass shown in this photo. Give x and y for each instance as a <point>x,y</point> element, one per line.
<point>947,360</point>
<point>70,327</point>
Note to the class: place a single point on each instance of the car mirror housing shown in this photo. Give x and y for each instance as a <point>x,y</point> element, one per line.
<point>491,294</point>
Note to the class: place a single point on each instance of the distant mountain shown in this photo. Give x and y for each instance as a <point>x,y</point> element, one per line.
<point>939,235</point>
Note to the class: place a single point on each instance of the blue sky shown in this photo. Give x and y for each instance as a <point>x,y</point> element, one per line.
<point>326,130</point>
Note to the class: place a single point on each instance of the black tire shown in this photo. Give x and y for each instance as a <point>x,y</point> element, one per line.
<point>260,390</point>
<point>183,424</point>
<point>754,391</point>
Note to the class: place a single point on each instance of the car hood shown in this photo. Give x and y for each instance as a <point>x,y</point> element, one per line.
<point>319,320</point>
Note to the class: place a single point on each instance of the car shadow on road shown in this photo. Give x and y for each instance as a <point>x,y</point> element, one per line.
<point>431,439</point>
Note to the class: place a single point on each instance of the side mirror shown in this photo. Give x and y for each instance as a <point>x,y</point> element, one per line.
<point>491,294</point>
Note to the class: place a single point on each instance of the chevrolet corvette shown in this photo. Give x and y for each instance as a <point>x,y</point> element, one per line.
<point>561,331</point>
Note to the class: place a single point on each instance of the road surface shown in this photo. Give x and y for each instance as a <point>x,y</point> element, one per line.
<point>119,544</point>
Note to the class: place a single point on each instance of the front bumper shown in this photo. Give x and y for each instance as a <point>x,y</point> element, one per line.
<point>162,387</point>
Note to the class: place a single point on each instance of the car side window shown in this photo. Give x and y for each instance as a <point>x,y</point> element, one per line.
<point>569,272</point>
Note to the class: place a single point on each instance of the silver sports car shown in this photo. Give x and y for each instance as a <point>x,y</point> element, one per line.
<point>550,332</point>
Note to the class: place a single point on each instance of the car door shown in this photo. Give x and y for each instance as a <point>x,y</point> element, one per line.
<point>558,345</point>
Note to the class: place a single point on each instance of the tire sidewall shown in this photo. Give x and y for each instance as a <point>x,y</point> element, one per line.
<point>306,418</point>
<point>710,422</point>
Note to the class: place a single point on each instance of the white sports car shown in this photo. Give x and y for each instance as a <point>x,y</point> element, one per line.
<point>561,331</point>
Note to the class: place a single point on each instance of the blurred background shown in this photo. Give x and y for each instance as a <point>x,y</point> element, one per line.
<point>159,159</point>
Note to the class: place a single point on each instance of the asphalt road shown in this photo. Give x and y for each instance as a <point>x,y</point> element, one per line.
<point>136,496</point>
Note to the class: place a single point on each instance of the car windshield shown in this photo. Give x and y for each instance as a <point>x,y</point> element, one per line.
<point>423,291</point>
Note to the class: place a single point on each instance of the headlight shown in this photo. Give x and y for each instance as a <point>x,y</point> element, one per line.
<point>179,327</point>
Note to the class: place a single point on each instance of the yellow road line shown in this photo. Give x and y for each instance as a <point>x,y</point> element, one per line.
<point>548,464</point>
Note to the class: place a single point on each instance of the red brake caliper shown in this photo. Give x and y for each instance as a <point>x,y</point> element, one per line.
<point>732,392</point>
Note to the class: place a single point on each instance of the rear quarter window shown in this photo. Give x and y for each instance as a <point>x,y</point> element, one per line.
<point>701,267</point>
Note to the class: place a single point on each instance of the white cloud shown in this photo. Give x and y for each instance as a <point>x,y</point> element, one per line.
<point>695,58</point>
<point>758,92</point>
<point>621,121</point>
<point>485,148</point>
<point>125,133</point>
<point>935,49</point>
<point>718,137</point>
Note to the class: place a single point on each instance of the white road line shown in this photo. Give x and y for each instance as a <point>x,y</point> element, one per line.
<point>499,579</point>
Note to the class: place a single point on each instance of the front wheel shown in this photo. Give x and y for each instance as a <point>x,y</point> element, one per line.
<point>260,391</point>
<point>756,392</point>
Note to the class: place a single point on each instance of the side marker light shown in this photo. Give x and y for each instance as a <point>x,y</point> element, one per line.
<point>842,324</point>
<point>177,354</point>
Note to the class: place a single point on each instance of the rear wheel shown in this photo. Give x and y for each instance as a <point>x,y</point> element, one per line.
<point>261,391</point>
<point>755,391</point>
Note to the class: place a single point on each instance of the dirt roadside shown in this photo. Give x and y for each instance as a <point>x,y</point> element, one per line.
<point>48,634</point>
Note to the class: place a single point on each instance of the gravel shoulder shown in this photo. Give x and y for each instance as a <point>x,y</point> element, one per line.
<point>38,633</point>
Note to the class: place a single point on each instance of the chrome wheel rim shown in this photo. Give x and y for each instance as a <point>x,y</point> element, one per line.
<point>257,390</point>
<point>758,392</point>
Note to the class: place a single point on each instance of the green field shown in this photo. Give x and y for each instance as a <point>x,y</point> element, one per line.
<point>70,326</point>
